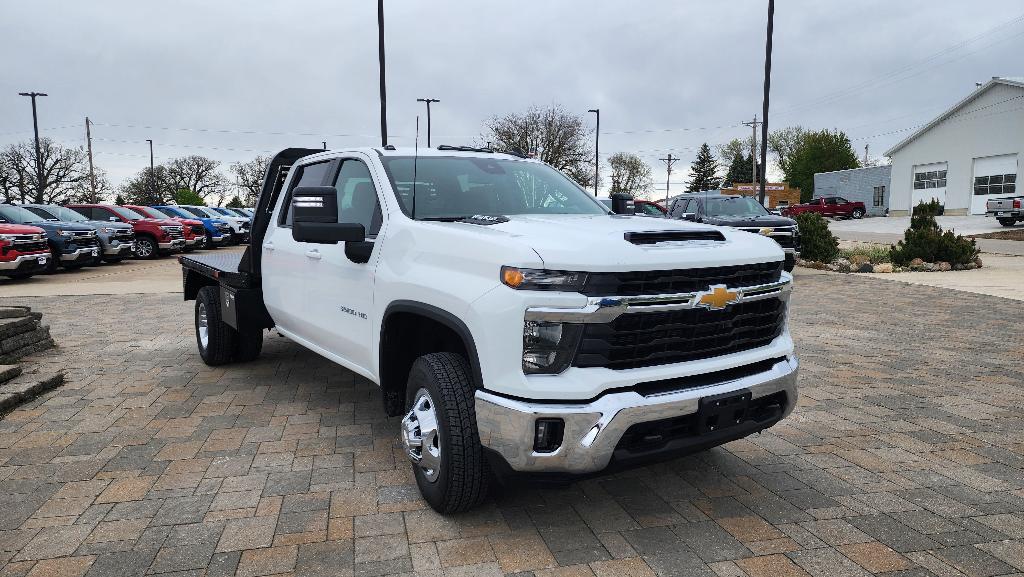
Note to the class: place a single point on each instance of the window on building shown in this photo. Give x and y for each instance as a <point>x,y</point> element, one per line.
<point>930,179</point>
<point>879,195</point>
<point>995,184</point>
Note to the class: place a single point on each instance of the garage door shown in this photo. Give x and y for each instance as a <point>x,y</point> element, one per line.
<point>929,183</point>
<point>994,176</point>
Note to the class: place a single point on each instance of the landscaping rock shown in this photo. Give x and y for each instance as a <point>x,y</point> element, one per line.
<point>884,267</point>
<point>970,266</point>
<point>865,267</point>
<point>943,266</point>
<point>916,262</point>
<point>977,261</point>
<point>27,387</point>
<point>859,259</point>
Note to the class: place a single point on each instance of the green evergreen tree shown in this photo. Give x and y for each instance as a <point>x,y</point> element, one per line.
<point>819,151</point>
<point>740,170</point>
<point>186,196</point>
<point>119,200</point>
<point>704,171</point>
<point>235,202</point>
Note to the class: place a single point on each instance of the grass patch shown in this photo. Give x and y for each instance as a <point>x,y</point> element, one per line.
<point>875,253</point>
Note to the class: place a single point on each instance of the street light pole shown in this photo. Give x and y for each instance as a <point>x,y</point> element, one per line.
<point>152,179</point>
<point>597,148</point>
<point>39,154</point>
<point>767,90</point>
<point>428,101</point>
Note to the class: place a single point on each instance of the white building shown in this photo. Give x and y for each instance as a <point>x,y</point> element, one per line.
<point>970,153</point>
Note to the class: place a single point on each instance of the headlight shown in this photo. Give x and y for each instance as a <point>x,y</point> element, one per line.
<point>548,347</point>
<point>542,279</point>
<point>108,230</point>
<point>65,233</point>
<point>8,237</point>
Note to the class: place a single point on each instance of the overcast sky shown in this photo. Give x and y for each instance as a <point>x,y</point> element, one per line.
<point>232,79</point>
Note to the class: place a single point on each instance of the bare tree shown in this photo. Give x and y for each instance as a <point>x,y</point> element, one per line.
<point>147,187</point>
<point>552,134</point>
<point>249,177</point>
<point>630,174</point>
<point>63,169</point>
<point>83,193</point>
<point>736,147</point>
<point>198,174</point>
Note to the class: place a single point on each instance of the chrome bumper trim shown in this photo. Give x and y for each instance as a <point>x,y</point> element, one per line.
<point>21,258</point>
<point>607,309</point>
<point>120,249</point>
<point>176,243</point>
<point>94,251</point>
<point>593,429</point>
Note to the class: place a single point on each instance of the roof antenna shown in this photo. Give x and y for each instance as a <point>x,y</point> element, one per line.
<point>415,159</point>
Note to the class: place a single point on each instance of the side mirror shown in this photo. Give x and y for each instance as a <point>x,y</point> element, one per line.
<point>112,219</point>
<point>315,217</point>
<point>690,216</point>
<point>622,203</point>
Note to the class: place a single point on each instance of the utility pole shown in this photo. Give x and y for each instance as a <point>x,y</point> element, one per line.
<point>753,149</point>
<point>152,176</point>
<point>597,148</point>
<point>39,153</point>
<point>325,144</point>
<point>383,87</point>
<point>92,171</point>
<point>668,164</point>
<point>866,154</point>
<point>428,101</point>
<point>767,91</point>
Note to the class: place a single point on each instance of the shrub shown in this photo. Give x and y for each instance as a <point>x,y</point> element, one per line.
<point>926,240</point>
<point>816,241</point>
<point>876,254</point>
<point>931,208</point>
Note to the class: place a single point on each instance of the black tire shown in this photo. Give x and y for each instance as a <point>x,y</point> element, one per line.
<point>20,275</point>
<point>790,263</point>
<point>248,346</point>
<point>463,477</point>
<point>113,259</point>
<point>857,213</point>
<point>1007,221</point>
<point>146,247</point>
<point>220,338</point>
<point>54,263</point>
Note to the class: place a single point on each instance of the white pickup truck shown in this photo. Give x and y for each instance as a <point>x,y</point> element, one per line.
<point>517,325</point>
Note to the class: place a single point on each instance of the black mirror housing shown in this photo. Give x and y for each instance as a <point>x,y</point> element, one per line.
<point>622,203</point>
<point>692,217</point>
<point>328,232</point>
<point>314,204</point>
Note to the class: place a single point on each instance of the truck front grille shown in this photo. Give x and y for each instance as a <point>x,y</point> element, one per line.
<point>85,240</point>
<point>653,338</point>
<point>174,232</point>
<point>28,243</point>
<point>198,229</point>
<point>657,282</point>
<point>123,236</point>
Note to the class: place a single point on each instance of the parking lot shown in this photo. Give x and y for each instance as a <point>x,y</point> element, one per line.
<point>905,457</point>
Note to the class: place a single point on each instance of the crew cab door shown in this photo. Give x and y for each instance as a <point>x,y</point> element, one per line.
<point>341,299</point>
<point>287,271</point>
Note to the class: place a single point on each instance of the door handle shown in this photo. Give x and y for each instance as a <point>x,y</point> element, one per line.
<point>315,254</point>
<point>268,245</point>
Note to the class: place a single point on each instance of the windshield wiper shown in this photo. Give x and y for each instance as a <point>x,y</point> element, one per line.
<point>444,218</point>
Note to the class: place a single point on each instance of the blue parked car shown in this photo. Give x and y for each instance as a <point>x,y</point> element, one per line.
<point>73,245</point>
<point>218,232</point>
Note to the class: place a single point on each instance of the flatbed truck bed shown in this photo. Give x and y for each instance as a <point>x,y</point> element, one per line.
<point>221,267</point>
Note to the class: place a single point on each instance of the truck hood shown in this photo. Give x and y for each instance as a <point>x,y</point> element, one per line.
<point>159,221</point>
<point>97,224</point>
<point>765,220</point>
<point>598,243</point>
<point>20,229</point>
<point>54,225</point>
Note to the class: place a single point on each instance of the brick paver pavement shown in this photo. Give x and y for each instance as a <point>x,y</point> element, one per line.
<point>905,458</point>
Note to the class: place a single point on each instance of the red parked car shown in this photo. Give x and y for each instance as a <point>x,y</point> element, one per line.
<point>23,250</point>
<point>153,236</point>
<point>836,206</point>
<point>193,230</point>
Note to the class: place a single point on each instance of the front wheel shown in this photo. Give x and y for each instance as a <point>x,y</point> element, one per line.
<point>858,213</point>
<point>146,247</point>
<point>440,436</point>
<point>215,339</point>
<point>1006,221</point>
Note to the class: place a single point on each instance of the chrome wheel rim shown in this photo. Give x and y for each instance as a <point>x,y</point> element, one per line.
<point>421,437</point>
<point>143,248</point>
<point>203,326</point>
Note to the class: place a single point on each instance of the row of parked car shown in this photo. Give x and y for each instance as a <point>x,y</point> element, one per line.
<point>38,238</point>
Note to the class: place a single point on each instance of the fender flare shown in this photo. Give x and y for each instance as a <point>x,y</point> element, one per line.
<point>443,317</point>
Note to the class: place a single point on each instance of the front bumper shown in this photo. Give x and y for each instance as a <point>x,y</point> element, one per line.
<point>593,430</point>
<point>176,243</point>
<point>81,254</point>
<point>121,249</point>
<point>26,263</point>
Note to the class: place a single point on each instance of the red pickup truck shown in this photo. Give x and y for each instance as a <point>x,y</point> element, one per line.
<point>23,250</point>
<point>153,236</point>
<point>836,206</point>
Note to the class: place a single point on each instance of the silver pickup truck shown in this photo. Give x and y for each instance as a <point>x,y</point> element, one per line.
<point>1008,210</point>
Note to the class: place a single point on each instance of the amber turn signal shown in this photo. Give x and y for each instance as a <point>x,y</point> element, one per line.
<point>511,276</point>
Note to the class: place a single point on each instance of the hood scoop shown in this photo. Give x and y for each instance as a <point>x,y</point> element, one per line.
<point>659,236</point>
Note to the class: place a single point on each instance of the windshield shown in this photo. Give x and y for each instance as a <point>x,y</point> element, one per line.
<point>177,212</point>
<point>734,206</point>
<point>239,212</point>
<point>127,213</point>
<point>196,211</point>
<point>45,215</point>
<point>16,214</point>
<point>154,213</point>
<point>458,187</point>
<point>65,214</point>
